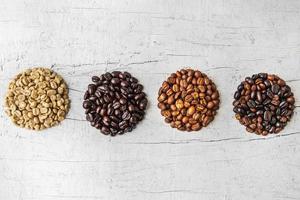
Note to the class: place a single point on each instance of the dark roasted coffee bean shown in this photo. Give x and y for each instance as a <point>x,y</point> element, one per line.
<point>86,95</point>
<point>143,104</point>
<point>91,88</point>
<point>105,130</point>
<point>283,104</point>
<point>89,117</point>
<point>123,124</point>
<point>267,116</point>
<point>240,87</point>
<point>275,88</point>
<point>260,112</point>
<point>116,105</point>
<point>253,94</point>
<point>95,79</point>
<point>86,104</point>
<point>269,104</point>
<point>273,120</point>
<point>258,96</point>
<point>126,115</point>
<point>103,88</point>
<point>267,101</point>
<point>267,83</point>
<point>263,75</point>
<point>251,103</point>
<point>115,81</point>
<point>124,91</point>
<point>139,96</point>
<point>249,80</point>
<point>114,118</point>
<point>251,115</point>
<point>108,76</point>
<point>124,84</point>
<point>237,95</point>
<point>123,101</point>
<point>114,124</point>
<point>131,108</point>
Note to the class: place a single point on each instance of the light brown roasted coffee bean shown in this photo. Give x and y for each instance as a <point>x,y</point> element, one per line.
<point>188,100</point>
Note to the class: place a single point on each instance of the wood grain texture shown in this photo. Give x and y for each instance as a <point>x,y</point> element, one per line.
<point>150,38</point>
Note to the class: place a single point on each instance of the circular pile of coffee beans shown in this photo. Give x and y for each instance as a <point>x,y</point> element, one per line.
<point>188,100</point>
<point>263,103</point>
<point>114,103</point>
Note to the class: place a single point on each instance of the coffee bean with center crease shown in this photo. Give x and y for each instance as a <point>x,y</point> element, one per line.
<point>265,102</point>
<point>115,103</point>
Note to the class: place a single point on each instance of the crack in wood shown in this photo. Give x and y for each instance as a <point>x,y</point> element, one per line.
<point>141,63</point>
<point>74,119</point>
<point>75,90</point>
<point>169,191</point>
<point>292,80</point>
<point>240,139</point>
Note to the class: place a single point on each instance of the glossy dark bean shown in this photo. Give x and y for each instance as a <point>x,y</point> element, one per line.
<point>258,96</point>
<point>89,117</point>
<point>91,88</point>
<point>116,105</point>
<point>251,103</point>
<point>267,116</point>
<point>103,88</point>
<point>95,79</point>
<point>240,87</point>
<point>251,115</point>
<point>275,88</point>
<point>273,120</point>
<point>105,130</point>
<point>139,96</point>
<point>123,101</point>
<point>237,95</point>
<point>126,115</point>
<point>267,101</point>
<point>260,112</point>
<point>86,104</point>
<point>86,95</point>
<point>108,76</point>
<point>263,75</point>
<point>131,108</point>
<point>124,84</point>
<point>115,81</point>
<point>143,104</point>
<point>283,104</point>
<point>253,94</point>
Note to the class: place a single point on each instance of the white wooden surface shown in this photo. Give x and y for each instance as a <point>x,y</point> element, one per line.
<point>227,39</point>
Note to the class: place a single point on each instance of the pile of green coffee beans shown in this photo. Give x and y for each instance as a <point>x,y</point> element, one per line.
<point>115,102</point>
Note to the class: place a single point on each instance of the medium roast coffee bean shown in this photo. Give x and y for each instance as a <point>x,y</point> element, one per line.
<point>188,100</point>
<point>114,103</point>
<point>263,103</point>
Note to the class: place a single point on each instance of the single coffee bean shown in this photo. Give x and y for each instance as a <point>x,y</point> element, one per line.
<point>115,81</point>
<point>269,104</point>
<point>237,95</point>
<point>275,88</point>
<point>95,79</point>
<point>123,101</point>
<point>143,104</point>
<point>259,96</point>
<point>189,100</point>
<point>115,103</point>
